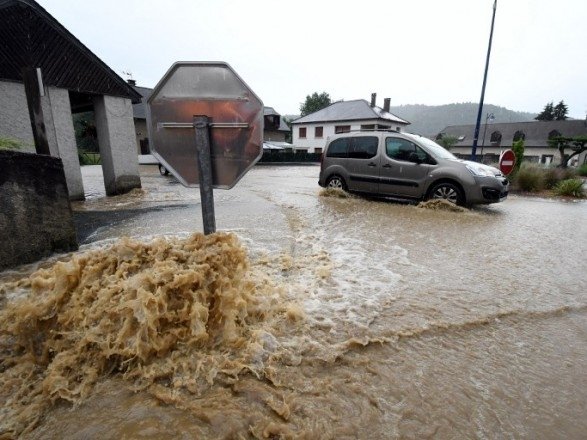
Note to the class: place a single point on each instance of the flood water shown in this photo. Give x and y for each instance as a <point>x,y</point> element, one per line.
<point>335,318</point>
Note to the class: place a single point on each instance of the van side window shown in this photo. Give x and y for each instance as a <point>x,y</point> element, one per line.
<point>338,148</point>
<point>400,149</point>
<point>363,147</point>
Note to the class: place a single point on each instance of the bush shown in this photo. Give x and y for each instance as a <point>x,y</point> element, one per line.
<point>552,176</point>
<point>582,170</point>
<point>88,158</point>
<point>529,178</point>
<point>570,187</point>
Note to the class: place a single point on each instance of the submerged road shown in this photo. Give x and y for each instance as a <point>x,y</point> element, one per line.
<point>401,322</point>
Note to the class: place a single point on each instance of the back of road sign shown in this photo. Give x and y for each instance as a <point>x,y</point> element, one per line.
<point>211,89</point>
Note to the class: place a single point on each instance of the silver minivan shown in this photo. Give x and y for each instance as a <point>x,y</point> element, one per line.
<point>394,164</point>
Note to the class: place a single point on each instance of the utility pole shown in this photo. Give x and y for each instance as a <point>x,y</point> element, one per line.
<point>478,124</point>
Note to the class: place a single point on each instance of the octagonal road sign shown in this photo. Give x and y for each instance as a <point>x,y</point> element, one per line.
<point>215,90</point>
<point>507,162</point>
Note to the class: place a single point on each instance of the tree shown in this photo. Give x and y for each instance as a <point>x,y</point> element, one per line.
<point>518,149</point>
<point>447,141</point>
<point>315,102</point>
<point>576,144</point>
<point>547,114</point>
<point>560,111</point>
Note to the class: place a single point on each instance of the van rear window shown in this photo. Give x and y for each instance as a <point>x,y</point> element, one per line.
<point>338,148</point>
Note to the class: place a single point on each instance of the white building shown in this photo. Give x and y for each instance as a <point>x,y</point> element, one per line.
<point>311,132</point>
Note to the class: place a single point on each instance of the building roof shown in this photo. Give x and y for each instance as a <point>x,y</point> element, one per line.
<point>139,109</point>
<point>269,111</point>
<point>536,132</point>
<point>31,37</point>
<point>356,110</point>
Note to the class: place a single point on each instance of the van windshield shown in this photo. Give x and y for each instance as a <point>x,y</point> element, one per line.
<point>436,150</point>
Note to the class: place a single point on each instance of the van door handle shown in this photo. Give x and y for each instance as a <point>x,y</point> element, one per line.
<point>371,164</point>
<point>387,165</point>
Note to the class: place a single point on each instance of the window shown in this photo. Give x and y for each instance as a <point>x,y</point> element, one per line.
<point>319,132</point>
<point>301,151</point>
<point>495,137</point>
<point>342,129</point>
<point>363,147</point>
<point>401,149</point>
<point>384,127</point>
<point>519,135</point>
<point>368,127</point>
<point>318,150</point>
<point>338,148</point>
<point>302,132</point>
<point>397,128</point>
<point>554,133</point>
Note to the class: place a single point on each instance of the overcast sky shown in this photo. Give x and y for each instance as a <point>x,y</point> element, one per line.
<point>415,52</point>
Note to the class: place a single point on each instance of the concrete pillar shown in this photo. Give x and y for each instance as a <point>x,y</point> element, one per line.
<point>116,138</point>
<point>61,137</point>
<point>14,115</point>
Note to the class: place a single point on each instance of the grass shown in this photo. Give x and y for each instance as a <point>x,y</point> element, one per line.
<point>582,170</point>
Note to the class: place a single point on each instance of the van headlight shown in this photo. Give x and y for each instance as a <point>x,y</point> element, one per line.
<point>480,171</point>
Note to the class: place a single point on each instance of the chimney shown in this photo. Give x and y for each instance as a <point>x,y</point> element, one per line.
<point>373,99</point>
<point>132,82</point>
<point>386,104</point>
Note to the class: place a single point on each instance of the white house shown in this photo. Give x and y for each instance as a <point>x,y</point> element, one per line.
<point>311,132</point>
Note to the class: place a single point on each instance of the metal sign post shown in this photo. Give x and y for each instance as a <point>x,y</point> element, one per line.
<point>201,127</point>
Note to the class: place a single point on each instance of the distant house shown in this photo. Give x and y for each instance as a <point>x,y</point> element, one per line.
<point>311,132</point>
<point>140,118</point>
<point>275,128</point>
<point>493,138</point>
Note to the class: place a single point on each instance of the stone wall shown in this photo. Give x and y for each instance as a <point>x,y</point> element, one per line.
<point>35,214</point>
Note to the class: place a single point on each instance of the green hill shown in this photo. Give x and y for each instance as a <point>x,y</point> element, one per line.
<point>430,120</point>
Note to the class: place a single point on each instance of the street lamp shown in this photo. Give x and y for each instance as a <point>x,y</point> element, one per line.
<point>490,117</point>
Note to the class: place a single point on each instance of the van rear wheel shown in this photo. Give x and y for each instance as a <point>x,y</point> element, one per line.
<point>336,182</point>
<point>447,191</point>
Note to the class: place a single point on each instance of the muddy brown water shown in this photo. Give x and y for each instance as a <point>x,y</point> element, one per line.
<point>358,319</point>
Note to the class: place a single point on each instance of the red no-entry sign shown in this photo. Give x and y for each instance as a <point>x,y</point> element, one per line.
<point>507,161</point>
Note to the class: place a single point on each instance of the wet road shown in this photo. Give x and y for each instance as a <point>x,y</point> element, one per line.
<point>416,323</point>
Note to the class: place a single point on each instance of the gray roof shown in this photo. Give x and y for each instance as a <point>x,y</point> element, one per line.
<point>536,132</point>
<point>269,111</point>
<point>356,110</point>
<point>139,110</point>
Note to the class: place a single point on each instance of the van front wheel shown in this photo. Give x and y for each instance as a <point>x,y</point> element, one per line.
<point>336,182</point>
<point>447,191</point>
